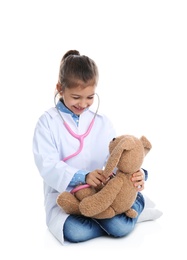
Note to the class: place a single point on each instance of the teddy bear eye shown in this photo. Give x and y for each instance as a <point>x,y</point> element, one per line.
<point>113,139</point>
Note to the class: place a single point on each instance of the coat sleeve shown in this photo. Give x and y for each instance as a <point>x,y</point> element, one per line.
<point>55,173</point>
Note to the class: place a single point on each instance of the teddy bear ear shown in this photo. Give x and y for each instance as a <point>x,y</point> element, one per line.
<point>146,144</point>
<point>124,144</point>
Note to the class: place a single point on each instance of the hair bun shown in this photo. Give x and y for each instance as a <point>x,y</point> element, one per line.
<point>70,52</point>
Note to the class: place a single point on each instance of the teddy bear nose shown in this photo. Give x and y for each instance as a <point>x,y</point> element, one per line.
<point>113,139</point>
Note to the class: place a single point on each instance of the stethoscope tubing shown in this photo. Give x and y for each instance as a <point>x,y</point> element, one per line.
<point>78,137</point>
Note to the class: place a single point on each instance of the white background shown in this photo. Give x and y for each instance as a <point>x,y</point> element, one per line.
<point>140,49</point>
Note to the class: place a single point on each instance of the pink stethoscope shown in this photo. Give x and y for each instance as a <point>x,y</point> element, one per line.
<point>78,137</point>
<point>81,140</point>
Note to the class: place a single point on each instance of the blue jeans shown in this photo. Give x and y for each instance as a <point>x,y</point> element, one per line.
<point>80,228</point>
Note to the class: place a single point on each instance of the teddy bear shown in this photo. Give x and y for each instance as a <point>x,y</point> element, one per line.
<point>117,195</point>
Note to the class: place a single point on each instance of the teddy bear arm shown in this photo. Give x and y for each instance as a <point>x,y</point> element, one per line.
<point>102,200</point>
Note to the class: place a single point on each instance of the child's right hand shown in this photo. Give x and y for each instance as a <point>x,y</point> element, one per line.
<point>95,178</point>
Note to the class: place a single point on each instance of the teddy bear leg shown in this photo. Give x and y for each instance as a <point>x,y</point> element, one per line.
<point>102,200</point>
<point>68,203</point>
<point>108,213</point>
<point>131,213</point>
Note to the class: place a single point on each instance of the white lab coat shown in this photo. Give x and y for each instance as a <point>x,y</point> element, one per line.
<point>52,142</point>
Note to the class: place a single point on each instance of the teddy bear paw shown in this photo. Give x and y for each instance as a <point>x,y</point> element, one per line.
<point>68,203</point>
<point>131,213</point>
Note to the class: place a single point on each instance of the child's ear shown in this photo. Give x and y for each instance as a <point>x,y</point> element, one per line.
<point>59,88</point>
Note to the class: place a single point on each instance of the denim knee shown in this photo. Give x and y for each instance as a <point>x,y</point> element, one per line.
<point>139,203</point>
<point>80,229</point>
<point>118,226</point>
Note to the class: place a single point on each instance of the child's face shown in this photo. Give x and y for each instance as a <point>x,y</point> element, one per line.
<point>78,99</point>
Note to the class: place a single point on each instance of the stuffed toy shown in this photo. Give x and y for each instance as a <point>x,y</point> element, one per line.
<point>117,195</point>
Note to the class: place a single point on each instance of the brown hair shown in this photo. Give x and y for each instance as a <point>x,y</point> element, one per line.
<point>77,70</point>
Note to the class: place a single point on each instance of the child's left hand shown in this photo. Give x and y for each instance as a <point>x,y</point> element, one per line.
<point>138,180</point>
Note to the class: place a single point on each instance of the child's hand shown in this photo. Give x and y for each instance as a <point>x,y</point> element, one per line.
<point>138,180</point>
<point>95,178</point>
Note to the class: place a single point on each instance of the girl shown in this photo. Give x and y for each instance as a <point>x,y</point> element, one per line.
<point>64,162</point>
